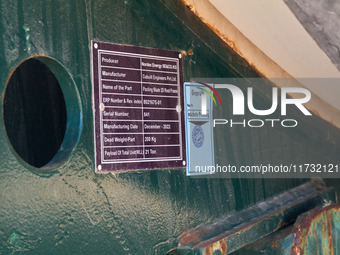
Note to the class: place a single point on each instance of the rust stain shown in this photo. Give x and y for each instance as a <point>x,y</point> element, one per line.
<point>220,245</point>
<point>328,229</point>
<point>324,217</point>
<point>184,53</point>
<point>192,236</point>
<point>233,46</point>
<point>209,250</point>
<point>223,246</point>
<point>228,41</point>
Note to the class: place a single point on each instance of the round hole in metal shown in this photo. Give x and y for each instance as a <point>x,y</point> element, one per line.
<point>36,115</point>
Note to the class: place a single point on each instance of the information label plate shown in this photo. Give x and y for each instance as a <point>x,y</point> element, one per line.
<point>138,108</point>
<point>199,128</point>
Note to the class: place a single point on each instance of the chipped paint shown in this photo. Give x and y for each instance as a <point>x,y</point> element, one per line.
<point>316,227</point>
<point>27,38</point>
<point>220,246</point>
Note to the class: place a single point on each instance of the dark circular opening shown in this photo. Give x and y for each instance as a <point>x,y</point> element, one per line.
<point>34,113</point>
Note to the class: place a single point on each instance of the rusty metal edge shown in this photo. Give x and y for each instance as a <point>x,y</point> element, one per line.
<point>302,198</point>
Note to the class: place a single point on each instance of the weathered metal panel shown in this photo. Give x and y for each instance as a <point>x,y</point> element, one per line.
<point>70,209</point>
<point>236,230</point>
<point>314,232</point>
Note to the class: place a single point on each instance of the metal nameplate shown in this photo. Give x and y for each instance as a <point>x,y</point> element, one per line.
<point>138,102</point>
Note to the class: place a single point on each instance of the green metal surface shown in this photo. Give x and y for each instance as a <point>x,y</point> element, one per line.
<point>69,209</point>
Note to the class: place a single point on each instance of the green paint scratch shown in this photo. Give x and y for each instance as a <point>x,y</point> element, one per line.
<point>27,37</point>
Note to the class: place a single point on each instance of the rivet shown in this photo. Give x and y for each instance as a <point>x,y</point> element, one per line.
<point>102,107</point>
